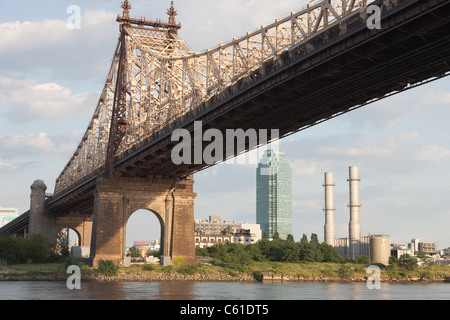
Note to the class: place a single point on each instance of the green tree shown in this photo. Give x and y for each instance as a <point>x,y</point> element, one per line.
<point>220,252</point>
<point>306,252</point>
<point>407,262</point>
<point>201,252</point>
<point>254,251</point>
<point>37,248</point>
<point>422,256</point>
<point>290,252</point>
<point>134,252</point>
<point>304,239</point>
<point>362,260</point>
<point>241,256</point>
<point>12,249</point>
<point>314,238</point>
<point>329,254</point>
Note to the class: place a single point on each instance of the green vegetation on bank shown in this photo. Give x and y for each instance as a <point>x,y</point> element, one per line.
<point>294,260</point>
<point>274,250</point>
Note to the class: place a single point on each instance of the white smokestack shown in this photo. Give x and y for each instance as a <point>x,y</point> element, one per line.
<point>329,228</point>
<point>354,225</point>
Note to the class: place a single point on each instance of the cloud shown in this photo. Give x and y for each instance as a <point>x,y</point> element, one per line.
<point>432,153</point>
<point>49,48</point>
<point>411,107</point>
<point>302,167</point>
<point>357,151</point>
<point>31,101</point>
<point>5,167</point>
<point>402,146</point>
<point>14,143</point>
<point>13,146</point>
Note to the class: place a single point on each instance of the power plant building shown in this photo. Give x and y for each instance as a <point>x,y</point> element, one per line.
<point>376,247</point>
<point>274,194</point>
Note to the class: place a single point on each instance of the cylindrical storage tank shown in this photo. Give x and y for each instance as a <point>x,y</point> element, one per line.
<point>380,249</point>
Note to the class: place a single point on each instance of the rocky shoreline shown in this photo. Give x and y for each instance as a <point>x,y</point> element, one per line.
<point>161,276</point>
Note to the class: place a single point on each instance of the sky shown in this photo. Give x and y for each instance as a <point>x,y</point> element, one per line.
<point>51,77</point>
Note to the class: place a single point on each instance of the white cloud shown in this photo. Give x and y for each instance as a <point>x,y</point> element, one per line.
<point>12,143</point>
<point>4,167</point>
<point>302,167</point>
<point>30,100</point>
<point>432,153</point>
<point>33,146</point>
<point>49,48</point>
<point>357,151</point>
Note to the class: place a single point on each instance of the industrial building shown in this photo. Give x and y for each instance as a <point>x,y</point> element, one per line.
<point>376,247</point>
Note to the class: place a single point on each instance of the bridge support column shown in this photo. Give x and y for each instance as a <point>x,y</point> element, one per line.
<point>40,221</point>
<point>116,199</point>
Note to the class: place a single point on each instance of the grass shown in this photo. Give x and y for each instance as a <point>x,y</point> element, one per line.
<point>38,267</point>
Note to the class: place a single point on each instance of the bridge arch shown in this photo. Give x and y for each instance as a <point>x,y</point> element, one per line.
<point>144,225</point>
<point>116,199</point>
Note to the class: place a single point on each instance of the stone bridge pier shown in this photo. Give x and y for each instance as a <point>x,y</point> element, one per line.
<point>49,224</point>
<point>117,198</point>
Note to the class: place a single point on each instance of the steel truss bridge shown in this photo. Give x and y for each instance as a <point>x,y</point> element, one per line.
<point>301,70</point>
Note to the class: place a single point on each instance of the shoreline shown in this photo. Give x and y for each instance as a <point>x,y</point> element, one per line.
<point>157,277</point>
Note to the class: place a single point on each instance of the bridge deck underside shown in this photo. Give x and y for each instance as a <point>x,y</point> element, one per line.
<point>344,73</point>
<point>340,74</point>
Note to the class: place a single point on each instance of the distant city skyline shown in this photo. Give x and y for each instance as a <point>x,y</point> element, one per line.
<point>51,78</point>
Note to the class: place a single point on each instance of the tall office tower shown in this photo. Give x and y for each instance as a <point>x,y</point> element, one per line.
<point>329,228</point>
<point>354,226</point>
<point>274,194</point>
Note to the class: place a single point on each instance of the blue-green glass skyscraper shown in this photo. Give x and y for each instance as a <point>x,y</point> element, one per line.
<point>274,194</point>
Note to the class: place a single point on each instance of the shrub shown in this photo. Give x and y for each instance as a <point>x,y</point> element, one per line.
<point>167,269</point>
<point>345,271</point>
<point>69,261</point>
<point>108,268</point>
<point>362,260</point>
<point>37,248</point>
<point>393,272</point>
<point>12,250</point>
<point>179,261</point>
<point>190,270</point>
<point>148,267</point>
<point>427,274</point>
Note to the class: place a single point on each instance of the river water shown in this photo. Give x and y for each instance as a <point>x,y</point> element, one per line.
<point>187,290</point>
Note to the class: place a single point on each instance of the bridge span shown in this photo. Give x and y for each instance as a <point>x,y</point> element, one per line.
<point>293,74</point>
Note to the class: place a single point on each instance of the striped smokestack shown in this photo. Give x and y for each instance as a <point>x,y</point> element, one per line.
<point>354,225</point>
<point>329,229</point>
